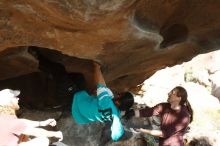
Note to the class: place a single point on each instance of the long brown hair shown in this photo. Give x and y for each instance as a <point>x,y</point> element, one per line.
<point>181,92</point>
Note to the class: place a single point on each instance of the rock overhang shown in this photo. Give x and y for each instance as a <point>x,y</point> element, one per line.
<point>131,39</point>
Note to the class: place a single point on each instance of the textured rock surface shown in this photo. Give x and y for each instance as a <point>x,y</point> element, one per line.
<point>130,38</point>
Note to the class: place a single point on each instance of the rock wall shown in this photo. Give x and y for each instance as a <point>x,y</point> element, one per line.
<point>131,38</point>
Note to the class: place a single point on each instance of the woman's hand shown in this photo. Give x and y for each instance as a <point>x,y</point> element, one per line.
<point>140,130</point>
<point>157,133</point>
<point>59,135</point>
<point>51,122</point>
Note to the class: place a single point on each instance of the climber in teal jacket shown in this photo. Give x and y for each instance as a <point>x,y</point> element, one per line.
<point>88,108</point>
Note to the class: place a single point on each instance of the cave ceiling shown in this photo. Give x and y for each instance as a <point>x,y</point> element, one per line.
<point>131,39</point>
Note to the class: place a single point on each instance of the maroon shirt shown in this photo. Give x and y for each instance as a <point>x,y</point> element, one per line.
<point>173,123</point>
